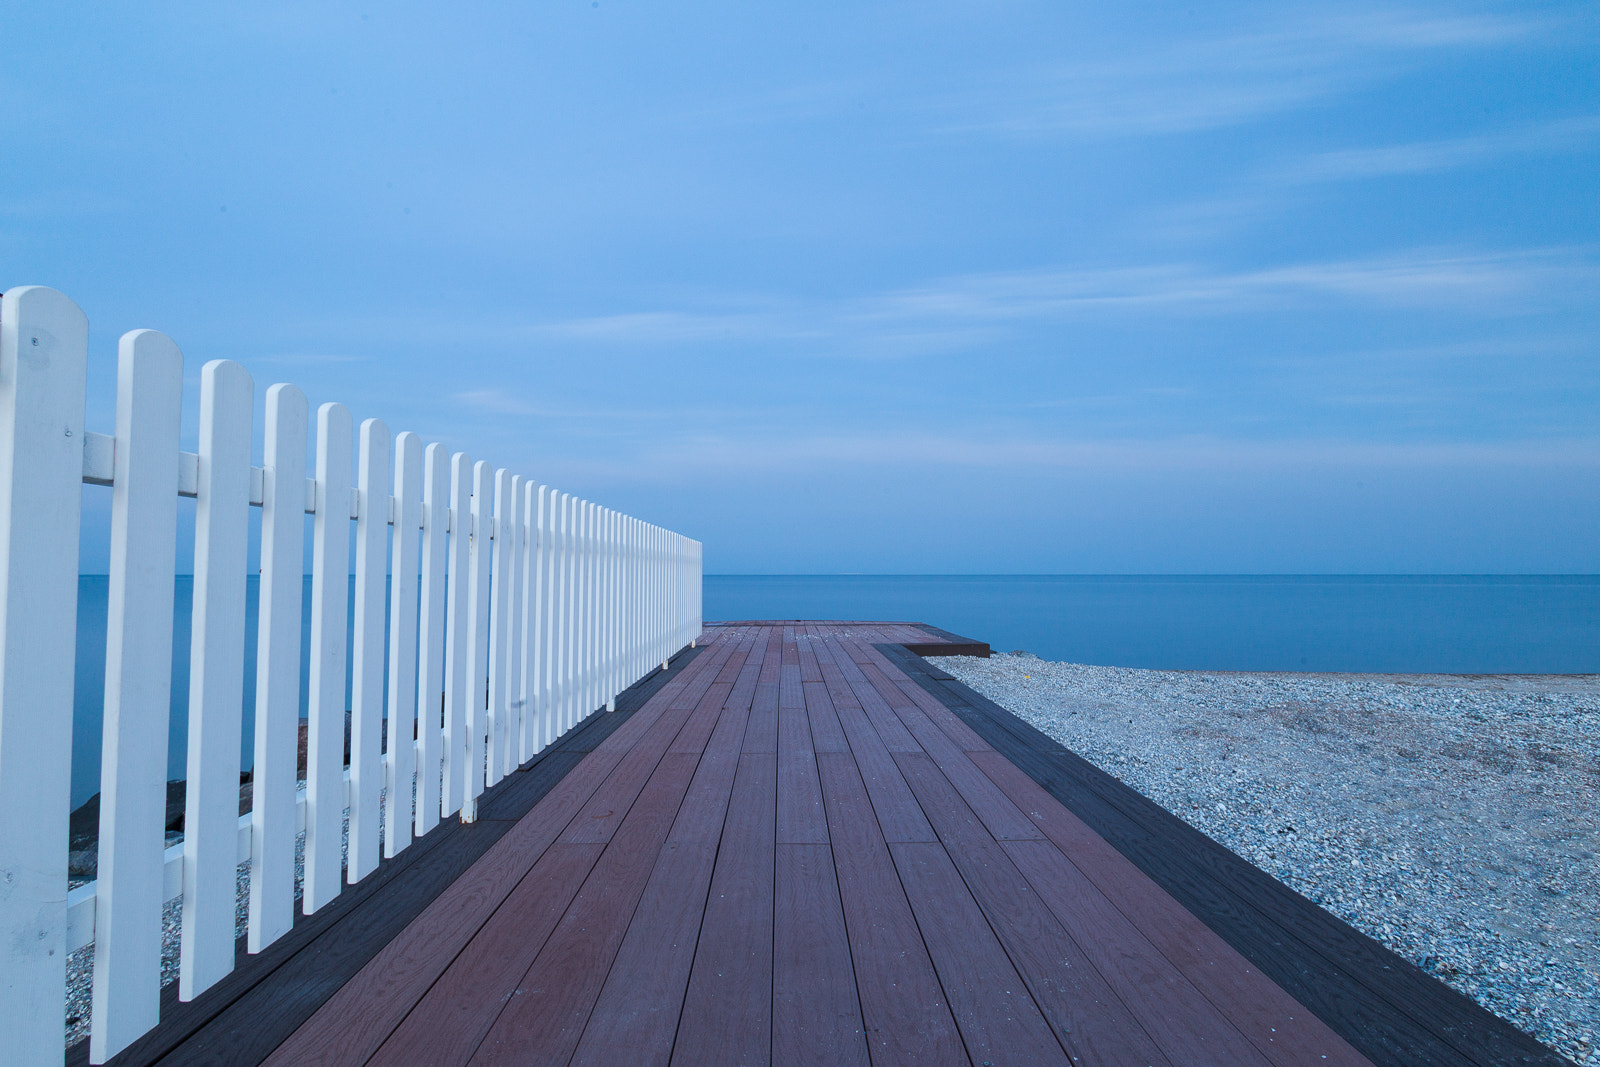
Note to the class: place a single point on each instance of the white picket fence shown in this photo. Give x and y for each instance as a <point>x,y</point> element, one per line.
<point>516,611</point>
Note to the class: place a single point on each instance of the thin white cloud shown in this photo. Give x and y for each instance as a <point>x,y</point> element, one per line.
<point>961,312</point>
<point>1564,135</point>
<point>1190,85</point>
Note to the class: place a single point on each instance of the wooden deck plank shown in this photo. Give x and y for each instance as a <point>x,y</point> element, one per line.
<point>894,807</point>
<point>826,733</point>
<point>1275,1023</point>
<point>636,1015</point>
<point>904,1012</point>
<point>1001,817</point>
<point>446,1024</point>
<point>816,1012</point>
<point>352,961</point>
<point>727,1010</point>
<point>800,816</point>
<point>544,1015</point>
<point>1091,1013</point>
<point>994,1012</point>
<point>1380,1004</point>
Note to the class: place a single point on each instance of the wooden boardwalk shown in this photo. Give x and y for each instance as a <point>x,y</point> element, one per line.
<point>805,845</point>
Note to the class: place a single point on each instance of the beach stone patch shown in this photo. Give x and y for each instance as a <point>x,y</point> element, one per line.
<point>1453,818</point>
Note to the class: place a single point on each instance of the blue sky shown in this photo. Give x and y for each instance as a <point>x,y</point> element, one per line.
<point>930,287</point>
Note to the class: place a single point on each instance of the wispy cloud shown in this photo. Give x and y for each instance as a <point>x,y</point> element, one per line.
<point>1208,83</point>
<point>955,313</point>
<point>1564,135</point>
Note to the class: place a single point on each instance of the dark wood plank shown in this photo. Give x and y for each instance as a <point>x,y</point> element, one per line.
<point>1090,1015</point>
<point>800,816</point>
<point>1109,994</point>
<point>227,1007</point>
<point>544,1016</point>
<point>255,1023</point>
<point>1385,1007</point>
<point>904,1012</point>
<point>446,1024</point>
<point>354,1017</point>
<point>809,671</point>
<point>826,733</point>
<point>727,1009</point>
<point>761,734</point>
<point>1001,817</point>
<point>816,1012</point>
<point>997,1017</point>
<point>1274,1022</point>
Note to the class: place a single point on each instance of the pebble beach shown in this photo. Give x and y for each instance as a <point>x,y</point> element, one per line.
<point>1453,818</point>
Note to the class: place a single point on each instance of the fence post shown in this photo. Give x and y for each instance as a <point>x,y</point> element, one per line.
<point>133,774</point>
<point>44,342</point>
<point>399,814</point>
<point>277,732</point>
<point>330,592</point>
<point>366,653</point>
<point>216,678</point>
<point>430,670</point>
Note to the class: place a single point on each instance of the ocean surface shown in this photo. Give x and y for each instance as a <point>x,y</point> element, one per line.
<point>1534,624</point>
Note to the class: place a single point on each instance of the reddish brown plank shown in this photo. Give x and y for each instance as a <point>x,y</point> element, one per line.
<point>637,1013</point>
<point>544,1016</point>
<point>761,733</point>
<point>1275,1022</point>
<point>800,816</point>
<point>816,1013</point>
<point>727,1010</point>
<point>903,1007</point>
<point>1002,817</point>
<point>1089,1017</point>
<point>826,733</point>
<point>605,810</point>
<point>448,1022</point>
<point>705,806</point>
<point>894,807</point>
<point>809,671</point>
<point>366,1009</point>
<point>997,1017</point>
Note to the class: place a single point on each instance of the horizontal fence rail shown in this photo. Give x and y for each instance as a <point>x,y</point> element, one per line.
<point>491,615</point>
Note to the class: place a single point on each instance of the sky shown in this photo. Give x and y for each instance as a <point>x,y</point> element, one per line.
<point>933,287</point>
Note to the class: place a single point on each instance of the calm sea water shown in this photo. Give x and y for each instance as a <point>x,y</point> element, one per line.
<point>1521,624</point>
<point>1470,624</point>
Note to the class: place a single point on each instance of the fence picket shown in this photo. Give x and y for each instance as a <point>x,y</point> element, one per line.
<point>457,664</point>
<point>325,723</point>
<point>430,656</point>
<point>479,556</point>
<point>216,678</point>
<point>513,673</point>
<point>401,753</point>
<point>495,711</point>
<point>366,653</point>
<point>277,727</point>
<point>133,801</point>
<point>43,361</point>
<point>527,739</point>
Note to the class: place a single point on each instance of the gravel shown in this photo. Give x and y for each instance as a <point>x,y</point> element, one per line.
<point>1453,818</point>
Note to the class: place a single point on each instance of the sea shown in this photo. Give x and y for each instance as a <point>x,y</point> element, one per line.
<point>1455,624</point>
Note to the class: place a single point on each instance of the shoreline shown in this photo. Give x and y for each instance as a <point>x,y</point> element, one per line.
<point>1453,818</point>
